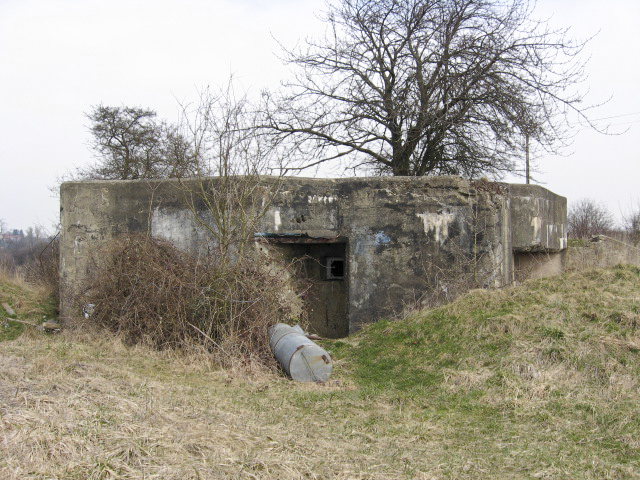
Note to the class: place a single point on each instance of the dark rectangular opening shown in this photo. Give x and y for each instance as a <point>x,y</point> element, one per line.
<point>323,265</point>
<point>334,268</point>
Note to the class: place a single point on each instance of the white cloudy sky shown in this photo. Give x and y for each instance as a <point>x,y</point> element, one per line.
<point>60,57</point>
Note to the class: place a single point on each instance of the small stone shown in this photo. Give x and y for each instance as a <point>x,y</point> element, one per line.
<point>51,326</point>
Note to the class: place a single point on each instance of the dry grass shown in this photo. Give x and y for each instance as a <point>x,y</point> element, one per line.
<point>94,409</point>
<point>25,297</point>
<point>32,303</point>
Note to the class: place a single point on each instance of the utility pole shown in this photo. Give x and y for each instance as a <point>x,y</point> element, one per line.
<point>527,156</point>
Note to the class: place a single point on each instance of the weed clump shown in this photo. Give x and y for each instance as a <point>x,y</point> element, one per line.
<point>150,292</point>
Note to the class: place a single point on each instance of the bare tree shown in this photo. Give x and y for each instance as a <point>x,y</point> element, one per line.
<point>428,87</point>
<point>587,218</point>
<point>131,143</point>
<point>228,145</point>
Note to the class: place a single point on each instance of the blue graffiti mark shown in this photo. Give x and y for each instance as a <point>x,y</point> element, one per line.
<point>382,238</point>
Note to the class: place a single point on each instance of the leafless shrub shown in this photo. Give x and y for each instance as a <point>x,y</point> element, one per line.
<point>7,263</point>
<point>452,276</point>
<point>222,128</point>
<point>632,224</point>
<point>460,268</point>
<point>222,295</point>
<point>150,292</point>
<point>587,218</point>
<point>43,267</point>
<point>447,287</point>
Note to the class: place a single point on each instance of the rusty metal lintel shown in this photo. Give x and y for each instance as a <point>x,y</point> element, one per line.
<point>304,240</point>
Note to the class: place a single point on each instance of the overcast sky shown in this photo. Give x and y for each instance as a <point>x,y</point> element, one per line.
<point>60,57</point>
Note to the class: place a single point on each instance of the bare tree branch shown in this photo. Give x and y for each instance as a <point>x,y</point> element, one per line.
<point>228,145</point>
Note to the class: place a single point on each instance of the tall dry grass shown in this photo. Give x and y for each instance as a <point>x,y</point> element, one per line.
<point>34,281</point>
<point>31,300</point>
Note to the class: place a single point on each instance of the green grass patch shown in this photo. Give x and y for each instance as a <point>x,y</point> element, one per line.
<point>11,330</point>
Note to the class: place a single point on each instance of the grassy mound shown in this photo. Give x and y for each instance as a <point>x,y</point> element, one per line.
<point>585,326</point>
<point>554,363</point>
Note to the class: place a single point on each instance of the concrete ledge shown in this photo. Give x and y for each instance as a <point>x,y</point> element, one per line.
<point>538,219</point>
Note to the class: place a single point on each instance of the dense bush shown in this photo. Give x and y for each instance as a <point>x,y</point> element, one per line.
<point>151,292</point>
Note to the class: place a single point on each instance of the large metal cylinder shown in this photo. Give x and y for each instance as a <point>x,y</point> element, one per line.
<point>302,359</point>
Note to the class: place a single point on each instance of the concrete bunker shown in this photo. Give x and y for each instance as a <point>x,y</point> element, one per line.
<point>369,247</point>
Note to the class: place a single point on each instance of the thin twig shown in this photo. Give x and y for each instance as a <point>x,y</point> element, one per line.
<point>6,319</point>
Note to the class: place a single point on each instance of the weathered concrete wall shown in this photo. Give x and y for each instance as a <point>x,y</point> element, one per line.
<point>539,219</point>
<point>402,236</point>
